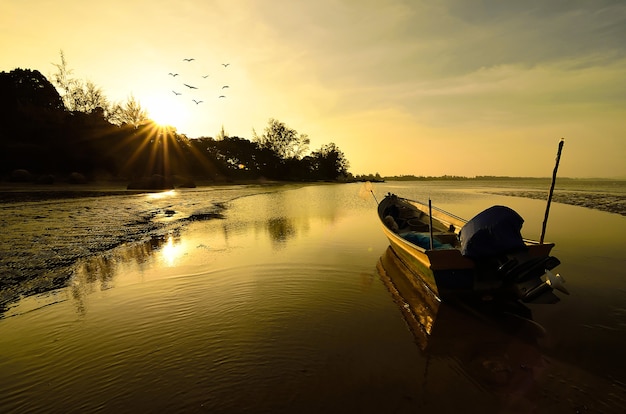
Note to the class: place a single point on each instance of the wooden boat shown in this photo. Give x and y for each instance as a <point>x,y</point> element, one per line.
<point>485,256</point>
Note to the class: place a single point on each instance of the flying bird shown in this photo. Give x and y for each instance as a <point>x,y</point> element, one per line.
<point>222,96</point>
<point>176,93</point>
<point>189,86</point>
<point>173,74</point>
<point>205,76</point>
<point>197,102</point>
<point>225,64</point>
<point>225,86</point>
<point>188,59</point>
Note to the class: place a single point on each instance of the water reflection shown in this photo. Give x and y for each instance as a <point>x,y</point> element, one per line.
<point>280,229</point>
<point>495,347</point>
<point>163,255</point>
<point>99,273</point>
<point>160,195</point>
<point>172,250</point>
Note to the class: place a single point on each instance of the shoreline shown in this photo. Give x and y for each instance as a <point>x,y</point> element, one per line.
<point>21,192</point>
<point>610,203</point>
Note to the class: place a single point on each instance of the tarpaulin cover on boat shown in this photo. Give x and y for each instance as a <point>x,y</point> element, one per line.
<point>494,231</point>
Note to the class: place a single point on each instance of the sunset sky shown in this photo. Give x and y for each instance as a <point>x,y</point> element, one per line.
<point>419,87</point>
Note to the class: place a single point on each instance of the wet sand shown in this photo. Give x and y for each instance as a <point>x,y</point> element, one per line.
<point>612,203</point>
<point>45,230</point>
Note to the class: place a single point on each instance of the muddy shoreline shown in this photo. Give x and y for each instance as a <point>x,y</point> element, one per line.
<point>608,202</point>
<point>612,203</point>
<point>44,233</point>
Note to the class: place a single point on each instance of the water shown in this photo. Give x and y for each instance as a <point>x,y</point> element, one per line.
<point>279,306</point>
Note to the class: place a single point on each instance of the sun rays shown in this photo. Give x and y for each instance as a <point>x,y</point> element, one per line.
<point>152,150</point>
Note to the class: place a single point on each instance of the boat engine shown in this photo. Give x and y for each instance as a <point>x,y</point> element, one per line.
<point>493,240</point>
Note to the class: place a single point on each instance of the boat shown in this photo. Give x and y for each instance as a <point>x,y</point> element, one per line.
<point>485,257</point>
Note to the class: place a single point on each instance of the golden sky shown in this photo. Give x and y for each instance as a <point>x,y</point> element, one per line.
<point>459,87</point>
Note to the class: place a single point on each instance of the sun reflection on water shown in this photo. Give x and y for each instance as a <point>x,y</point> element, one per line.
<point>160,195</point>
<point>171,251</point>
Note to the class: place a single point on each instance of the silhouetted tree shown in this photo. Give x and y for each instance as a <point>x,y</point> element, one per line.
<point>130,113</point>
<point>222,134</point>
<point>78,95</point>
<point>31,115</point>
<point>284,141</point>
<point>328,163</point>
<point>87,98</point>
<point>73,128</point>
<point>23,87</point>
<point>64,81</point>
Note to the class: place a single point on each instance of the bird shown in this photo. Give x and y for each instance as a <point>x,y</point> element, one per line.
<point>222,96</point>
<point>189,86</point>
<point>173,74</point>
<point>225,64</point>
<point>225,86</point>
<point>189,59</point>
<point>197,102</point>
<point>176,93</point>
<point>205,76</point>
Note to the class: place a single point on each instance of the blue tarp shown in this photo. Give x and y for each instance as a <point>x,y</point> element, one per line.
<point>423,240</point>
<point>494,231</point>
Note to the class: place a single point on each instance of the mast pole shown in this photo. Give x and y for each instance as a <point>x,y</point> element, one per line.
<point>430,217</point>
<point>556,167</point>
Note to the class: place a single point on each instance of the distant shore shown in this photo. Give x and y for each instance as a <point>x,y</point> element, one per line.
<point>612,203</point>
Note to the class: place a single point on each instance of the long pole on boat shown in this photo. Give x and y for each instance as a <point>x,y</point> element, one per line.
<point>430,217</point>
<point>556,167</point>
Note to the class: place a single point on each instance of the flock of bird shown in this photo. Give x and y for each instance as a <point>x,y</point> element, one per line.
<point>191,87</point>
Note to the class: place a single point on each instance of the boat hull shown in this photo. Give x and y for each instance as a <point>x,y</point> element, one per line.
<point>448,272</point>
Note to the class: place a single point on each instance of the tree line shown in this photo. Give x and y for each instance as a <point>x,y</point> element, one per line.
<point>68,128</point>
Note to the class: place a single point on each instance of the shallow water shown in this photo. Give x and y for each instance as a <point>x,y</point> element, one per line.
<point>280,306</point>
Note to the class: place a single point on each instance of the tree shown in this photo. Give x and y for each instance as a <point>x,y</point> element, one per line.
<point>64,81</point>
<point>78,95</point>
<point>222,134</point>
<point>24,87</point>
<point>284,141</point>
<point>130,113</point>
<point>87,98</point>
<point>329,162</point>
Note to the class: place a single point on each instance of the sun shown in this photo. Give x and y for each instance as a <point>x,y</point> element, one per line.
<point>166,112</point>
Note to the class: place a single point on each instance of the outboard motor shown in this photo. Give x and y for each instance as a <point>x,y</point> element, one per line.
<point>494,241</point>
<point>493,232</point>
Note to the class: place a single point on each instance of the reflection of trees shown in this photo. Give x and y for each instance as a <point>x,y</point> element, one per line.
<point>280,229</point>
<point>97,273</point>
